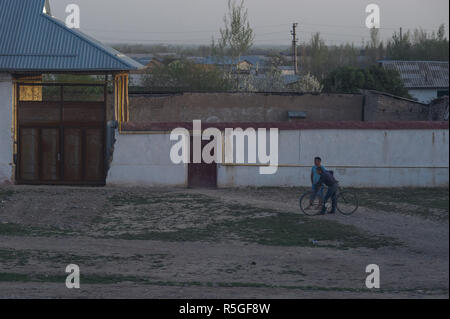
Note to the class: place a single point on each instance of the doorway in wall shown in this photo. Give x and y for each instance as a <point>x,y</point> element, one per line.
<point>201,175</point>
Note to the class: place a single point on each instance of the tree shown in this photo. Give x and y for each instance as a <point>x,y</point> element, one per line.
<point>419,45</point>
<point>375,48</point>
<point>307,84</point>
<point>271,81</point>
<point>187,76</point>
<point>319,56</point>
<point>237,36</point>
<point>352,80</point>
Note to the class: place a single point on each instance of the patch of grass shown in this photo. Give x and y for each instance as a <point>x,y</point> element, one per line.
<point>248,223</point>
<point>24,257</point>
<point>107,279</point>
<point>127,199</point>
<point>11,229</point>
<point>52,278</point>
<point>134,200</point>
<point>288,229</point>
<point>5,195</point>
<point>276,229</point>
<point>18,257</point>
<point>424,202</point>
<point>293,272</point>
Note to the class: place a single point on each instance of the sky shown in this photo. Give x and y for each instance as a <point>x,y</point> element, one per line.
<point>197,21</point>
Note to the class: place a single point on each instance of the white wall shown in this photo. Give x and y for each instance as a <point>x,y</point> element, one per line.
<point>361,158</point>
<point>6,142</point>
<point>144,159</point>
<point>424,96</point>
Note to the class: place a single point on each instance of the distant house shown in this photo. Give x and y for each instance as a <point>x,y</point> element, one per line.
<point>150,62</point>
<point>287,70</point>
<point>425,80</point>
<point>246,64</point>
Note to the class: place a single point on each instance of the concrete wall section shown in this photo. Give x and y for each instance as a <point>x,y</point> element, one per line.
<point>242,176</point>
<point>359,157</point>
<point>6,141</point>
<point>424,95</point>
<point>144,159</point>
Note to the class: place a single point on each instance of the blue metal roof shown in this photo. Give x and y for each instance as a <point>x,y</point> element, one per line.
<point>420,74</point>
<point>33,41</point>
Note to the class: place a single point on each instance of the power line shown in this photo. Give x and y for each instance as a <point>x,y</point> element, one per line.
<point>364,27</point>
<point>256,27</point>
<point>174,32</point>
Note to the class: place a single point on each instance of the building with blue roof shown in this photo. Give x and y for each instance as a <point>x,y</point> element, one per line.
<point>425,80</point>
<point>36,143</point>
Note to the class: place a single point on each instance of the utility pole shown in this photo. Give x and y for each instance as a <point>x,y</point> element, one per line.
<point>401,33</point>
<point>294,46</point>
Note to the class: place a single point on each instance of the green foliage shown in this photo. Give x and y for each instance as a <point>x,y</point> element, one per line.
<point>351,80</point>
<point>237,37</point>
<point>319,58</point>
<point>308,83</point>
<point>185,75</point>
<point>419,45</point>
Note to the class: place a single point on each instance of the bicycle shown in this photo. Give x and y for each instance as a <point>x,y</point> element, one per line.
<point>347,203</point>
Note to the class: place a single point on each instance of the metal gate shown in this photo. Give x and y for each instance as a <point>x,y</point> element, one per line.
<point>61,134</point>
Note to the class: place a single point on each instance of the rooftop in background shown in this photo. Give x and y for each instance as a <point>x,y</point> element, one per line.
<point>143,59</point>
<point>286,68</point>
<point>31,40</point>
<point>252,59</point>
<point>420,74</point>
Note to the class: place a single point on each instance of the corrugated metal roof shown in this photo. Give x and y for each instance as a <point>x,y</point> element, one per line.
<point>33,41</point>
<point>420,74</point>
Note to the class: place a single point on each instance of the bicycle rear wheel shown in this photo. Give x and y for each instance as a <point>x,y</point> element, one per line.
<point>347,203</point>
<point>307,208</point>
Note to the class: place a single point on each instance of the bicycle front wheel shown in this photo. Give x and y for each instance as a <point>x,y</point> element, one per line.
<point>347,203</point>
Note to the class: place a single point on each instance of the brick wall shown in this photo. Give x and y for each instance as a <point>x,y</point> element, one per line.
<point>380,107</point>
<point>369,106</point>
<point>240,107</point>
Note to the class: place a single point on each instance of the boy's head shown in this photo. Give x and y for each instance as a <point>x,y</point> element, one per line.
<point>317,161</point>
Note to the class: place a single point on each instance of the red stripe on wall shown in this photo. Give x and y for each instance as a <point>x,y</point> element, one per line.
<point>147,126</point>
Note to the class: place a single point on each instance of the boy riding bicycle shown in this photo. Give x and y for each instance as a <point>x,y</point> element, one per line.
<point>328,179</point>
<point>314,179</point>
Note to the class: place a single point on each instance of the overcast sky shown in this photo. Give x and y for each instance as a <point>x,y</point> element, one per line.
<point>196,21</point>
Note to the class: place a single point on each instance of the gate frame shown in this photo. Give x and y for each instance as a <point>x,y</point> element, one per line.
<point>60,127</point>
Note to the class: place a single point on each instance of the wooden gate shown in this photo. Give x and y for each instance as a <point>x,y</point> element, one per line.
<point>61,134</point>
<point>201,175</point>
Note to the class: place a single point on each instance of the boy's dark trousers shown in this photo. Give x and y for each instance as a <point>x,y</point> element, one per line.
<point>332,190</point>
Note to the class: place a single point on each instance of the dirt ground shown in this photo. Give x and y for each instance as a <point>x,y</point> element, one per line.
<point>226,243</point>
